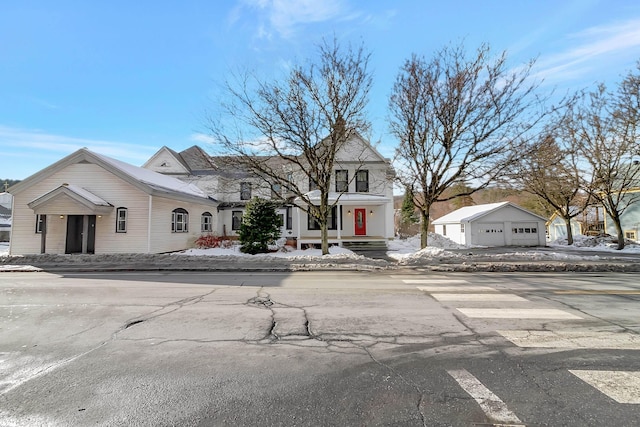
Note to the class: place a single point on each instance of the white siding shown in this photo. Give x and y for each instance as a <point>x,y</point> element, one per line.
<point>100,182</point>
<point>162,238</point>
<point>119,193</point>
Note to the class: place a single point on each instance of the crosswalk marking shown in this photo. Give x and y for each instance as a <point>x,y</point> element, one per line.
<point>491,405</point>
<point>573,339</point>
<point>598,292</point>
<point>435,281</point>
<point>621,386</point>
<point>456,288</point>
<point>478,297</point>
<point>516,313</point>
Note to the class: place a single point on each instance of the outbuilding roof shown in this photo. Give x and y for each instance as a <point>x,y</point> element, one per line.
<point>470,213</point>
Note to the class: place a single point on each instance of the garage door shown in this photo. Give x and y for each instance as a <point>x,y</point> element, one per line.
<point>524,234</point>
<point>490,234</point>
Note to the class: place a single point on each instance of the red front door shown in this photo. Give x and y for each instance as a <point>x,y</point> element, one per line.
<point>360,217</point>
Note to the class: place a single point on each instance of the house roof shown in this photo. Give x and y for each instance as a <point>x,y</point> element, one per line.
<point>470,213</point>
<point>147,180</point>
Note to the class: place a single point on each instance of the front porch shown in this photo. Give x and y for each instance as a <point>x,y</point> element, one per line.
<point>342,240</point>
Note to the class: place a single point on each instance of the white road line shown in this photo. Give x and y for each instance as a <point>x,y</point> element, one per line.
<point>621,386</point>
<point>479,297</point>
<point>456,288</point>
<point>516,313</point>
<point>491,405</point>
<point>573,339</point>
<point>435,281</point>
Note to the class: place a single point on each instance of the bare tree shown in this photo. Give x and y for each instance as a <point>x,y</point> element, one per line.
<point>458,119</point>
<point>605,126</point>
<point>287,132</point>
<point>551,171</point>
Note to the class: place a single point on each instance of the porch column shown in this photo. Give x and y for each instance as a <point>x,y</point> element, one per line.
<point>339,223</point>
<point>298,243</point>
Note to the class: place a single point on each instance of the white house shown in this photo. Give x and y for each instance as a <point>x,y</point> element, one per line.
<point>494,224</point>
<point>557,227</point>
<point>90,203</point>
<point>363,196</point>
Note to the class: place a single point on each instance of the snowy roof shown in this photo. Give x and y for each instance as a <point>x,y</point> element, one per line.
<point>87,195</point>
<point>151,178</point>
<point>469,213</point>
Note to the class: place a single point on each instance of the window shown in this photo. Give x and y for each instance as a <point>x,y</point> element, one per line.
<point>289,224</point>
<point>332,221</point>
<point>236,220</point>
<point>206,222</point>
<point>276,191</point>
<point>313,185</point>
<point>461,228</point>
<point>444,230</point>
<point>362,181</point>
<point>245,191</point>
<point>121,220</point>
<point>631,235</point>
<point>342,181</point>
<point>179,221</point>
<point>281,220</point>
<point>41,222</point>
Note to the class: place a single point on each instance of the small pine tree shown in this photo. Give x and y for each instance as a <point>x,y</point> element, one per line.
<point>408,209</point>
<point>260,226</point>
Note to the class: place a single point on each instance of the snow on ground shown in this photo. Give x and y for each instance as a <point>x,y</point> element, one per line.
<point>335,253</point>
<point>596,243</point>
<point>404,251</point>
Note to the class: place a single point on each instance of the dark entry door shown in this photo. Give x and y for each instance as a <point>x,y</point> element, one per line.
<point>74,234</point>
<point>91,238</point>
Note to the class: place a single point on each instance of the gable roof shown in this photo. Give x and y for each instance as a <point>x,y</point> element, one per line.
<point>173,154</point>
<point>471,213</point>
<point>146,180</point>
<point>78,194</point>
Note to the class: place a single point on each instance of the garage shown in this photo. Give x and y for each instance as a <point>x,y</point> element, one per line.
<point>493,224</point>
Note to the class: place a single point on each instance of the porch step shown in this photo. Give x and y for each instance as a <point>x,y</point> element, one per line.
<point>366,246</point>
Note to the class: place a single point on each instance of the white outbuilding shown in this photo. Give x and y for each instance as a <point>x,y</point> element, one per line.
<point>493,224</point>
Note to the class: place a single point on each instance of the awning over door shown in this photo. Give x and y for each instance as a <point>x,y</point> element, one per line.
<point>72,200</point>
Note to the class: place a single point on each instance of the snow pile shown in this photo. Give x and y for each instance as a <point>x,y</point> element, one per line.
<point>335,253</point>
<point>597,243</point>
<point>408,251</point>
<point>4,249</point>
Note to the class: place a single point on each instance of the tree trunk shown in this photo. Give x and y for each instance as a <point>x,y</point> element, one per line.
<point>567,222</point>
<point>616,221</point>
<point>324,237</point>
<point>424,228</point>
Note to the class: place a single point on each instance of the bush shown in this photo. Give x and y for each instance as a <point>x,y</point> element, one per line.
<point>208,241</point>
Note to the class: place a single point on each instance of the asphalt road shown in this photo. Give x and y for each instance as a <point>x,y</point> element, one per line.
<point>403,348</point>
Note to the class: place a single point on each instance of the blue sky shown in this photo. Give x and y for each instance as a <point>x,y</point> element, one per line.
<point>124,78</point>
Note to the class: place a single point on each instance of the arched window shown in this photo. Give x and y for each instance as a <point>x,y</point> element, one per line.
<point>206,222</point>
<point>180,221</point>
<point>121,220</point>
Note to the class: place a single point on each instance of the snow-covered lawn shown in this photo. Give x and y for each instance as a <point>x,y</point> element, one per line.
<point>335,252</point>
<point>404,251</point>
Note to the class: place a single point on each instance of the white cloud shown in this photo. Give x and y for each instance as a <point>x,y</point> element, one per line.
<point>284,16</point>
<point>201,137</point>
<point>595,47</point>
<point>33,143</point>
